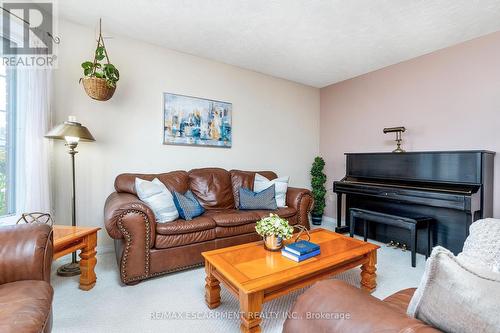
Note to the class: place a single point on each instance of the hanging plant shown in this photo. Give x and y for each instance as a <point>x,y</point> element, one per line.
<point>100,76</point>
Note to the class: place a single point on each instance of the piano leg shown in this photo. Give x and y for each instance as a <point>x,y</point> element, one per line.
<point>413,238</point>
<point>429,237</point>
<point>365,229</point>
<point>470,220</point>
<point>340,228</point>
<point>352,224</point>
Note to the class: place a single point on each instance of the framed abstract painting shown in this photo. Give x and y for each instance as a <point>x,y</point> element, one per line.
<point>193,121</point>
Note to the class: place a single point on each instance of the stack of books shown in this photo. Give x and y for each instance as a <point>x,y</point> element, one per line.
<point>300,250</point>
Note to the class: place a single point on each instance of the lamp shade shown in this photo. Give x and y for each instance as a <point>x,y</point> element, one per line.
<point>71,129</point>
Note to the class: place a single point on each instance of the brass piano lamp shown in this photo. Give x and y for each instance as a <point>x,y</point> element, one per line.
<point>398,131</point>
<point>72,132</point>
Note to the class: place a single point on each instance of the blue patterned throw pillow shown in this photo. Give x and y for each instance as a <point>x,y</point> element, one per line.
<point>187,205</point>
<point>258,200</point>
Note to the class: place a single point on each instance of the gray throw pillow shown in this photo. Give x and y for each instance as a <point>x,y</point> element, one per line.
<point>258,200</point>
<point>456,296</point>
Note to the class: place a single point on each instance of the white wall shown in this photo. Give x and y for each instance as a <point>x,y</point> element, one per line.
<point>275,122</point>
<point>447,100</point>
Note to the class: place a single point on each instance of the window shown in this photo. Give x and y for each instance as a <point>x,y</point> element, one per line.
<point>7,140</point>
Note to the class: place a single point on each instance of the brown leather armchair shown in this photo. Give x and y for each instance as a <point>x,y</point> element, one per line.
<point>146,249</point>
<point>25,291</point>
<point>334,306</point>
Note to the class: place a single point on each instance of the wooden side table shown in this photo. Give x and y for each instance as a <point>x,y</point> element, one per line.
<point>68,239</point>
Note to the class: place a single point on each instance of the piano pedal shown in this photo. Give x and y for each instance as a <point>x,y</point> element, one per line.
<point>390,244</point>
<point>404,247</point>
<point>396,245</point>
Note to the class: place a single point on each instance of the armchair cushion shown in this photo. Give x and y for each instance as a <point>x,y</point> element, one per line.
<point>25,306</point>
<point>399,301</point>
<point>349,309</point>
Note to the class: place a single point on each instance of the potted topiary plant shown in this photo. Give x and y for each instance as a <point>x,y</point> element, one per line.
<point>318,180</point>
<point>274,230</point>
<point>100,78</point>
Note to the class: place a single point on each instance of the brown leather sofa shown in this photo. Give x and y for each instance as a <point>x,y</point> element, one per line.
<point>146,249</point>
<point>25,291</point>
<point>334,306</point>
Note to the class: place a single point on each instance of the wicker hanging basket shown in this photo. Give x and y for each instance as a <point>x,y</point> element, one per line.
<point>97,88</point>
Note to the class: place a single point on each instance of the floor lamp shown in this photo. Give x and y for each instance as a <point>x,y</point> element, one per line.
<point>71,132</point>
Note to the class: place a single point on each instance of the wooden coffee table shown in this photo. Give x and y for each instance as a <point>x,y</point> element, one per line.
<point>69,239</point>
<point>256,275</point>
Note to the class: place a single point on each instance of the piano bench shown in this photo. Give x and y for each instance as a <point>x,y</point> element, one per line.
<point>411,224</point>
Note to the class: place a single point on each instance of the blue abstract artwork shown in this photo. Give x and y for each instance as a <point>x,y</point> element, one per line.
<point>196,121</point>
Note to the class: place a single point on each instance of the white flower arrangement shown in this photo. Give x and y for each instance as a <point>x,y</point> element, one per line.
<point>274,225</point>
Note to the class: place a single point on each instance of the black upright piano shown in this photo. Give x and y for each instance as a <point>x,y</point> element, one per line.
<point>455,188</point>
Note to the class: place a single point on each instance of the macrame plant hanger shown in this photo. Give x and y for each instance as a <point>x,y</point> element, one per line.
<point>100,43</point>
<point>96,87</point>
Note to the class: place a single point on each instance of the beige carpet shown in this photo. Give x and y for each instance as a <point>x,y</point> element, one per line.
<point>175,302</point>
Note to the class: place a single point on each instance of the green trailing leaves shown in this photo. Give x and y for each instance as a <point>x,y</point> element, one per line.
<point>318,180</point>
<point>87,65</point>
<point>100,70</point>
<point>100,53</point>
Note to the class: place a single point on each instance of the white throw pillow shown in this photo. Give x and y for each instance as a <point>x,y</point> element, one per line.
<point>156,195</point>
<point>280,186</point>
<point>457,296</point>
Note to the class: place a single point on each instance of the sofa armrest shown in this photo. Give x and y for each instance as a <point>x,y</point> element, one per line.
<point>335,306</point>
<point>300,199</point>
<point>25,252</point>
<point>125,212</point>
<point>128,218</point>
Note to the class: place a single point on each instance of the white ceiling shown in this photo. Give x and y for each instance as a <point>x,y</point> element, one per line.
<point>314,42</point>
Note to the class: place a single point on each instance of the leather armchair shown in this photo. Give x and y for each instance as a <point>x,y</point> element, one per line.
<point>25,291</point>
<point>334,306</point>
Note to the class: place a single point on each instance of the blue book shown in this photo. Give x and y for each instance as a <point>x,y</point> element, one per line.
<point>296,258</point>
<point>301,247</point>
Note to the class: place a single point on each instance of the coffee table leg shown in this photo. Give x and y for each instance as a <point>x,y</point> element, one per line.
<point>88,262</point>
<point>212,287</point>
<point>250,307</point>
<point>368,276</point>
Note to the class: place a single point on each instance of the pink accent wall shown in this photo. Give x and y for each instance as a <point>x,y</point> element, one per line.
<point>447,100</point>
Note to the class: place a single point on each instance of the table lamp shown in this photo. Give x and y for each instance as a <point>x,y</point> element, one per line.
<point>72,132</point>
